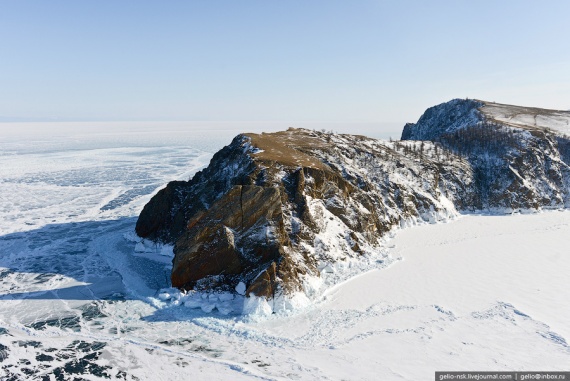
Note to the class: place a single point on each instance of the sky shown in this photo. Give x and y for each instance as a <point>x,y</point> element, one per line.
<point>364,61</point>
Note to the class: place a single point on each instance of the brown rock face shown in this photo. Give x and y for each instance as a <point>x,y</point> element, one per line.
<point>264,284</point>
<point>212,246</point>
<point>156,216</point>
<point>213,252</point>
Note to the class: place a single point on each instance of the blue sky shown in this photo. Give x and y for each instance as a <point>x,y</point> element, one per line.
<point>261,60</point>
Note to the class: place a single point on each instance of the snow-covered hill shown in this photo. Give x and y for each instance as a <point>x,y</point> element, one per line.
<point>274,215</point>
<point>527,117</point>
<point>283,213</point>
<point>520,156</point>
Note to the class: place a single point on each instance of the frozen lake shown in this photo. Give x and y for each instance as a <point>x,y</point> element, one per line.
<point>479,293</point>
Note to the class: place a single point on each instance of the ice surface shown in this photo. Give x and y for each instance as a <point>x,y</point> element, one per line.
<point>82,296</point>
<point>240,288</point>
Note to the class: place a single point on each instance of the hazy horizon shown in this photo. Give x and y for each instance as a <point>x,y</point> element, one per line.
<point>180,132</point>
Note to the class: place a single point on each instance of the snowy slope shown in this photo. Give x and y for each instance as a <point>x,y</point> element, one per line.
<point>523,117</point>
<point>482,292</point>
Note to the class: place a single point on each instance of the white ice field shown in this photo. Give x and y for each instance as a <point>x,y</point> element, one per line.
<point>77,300</point>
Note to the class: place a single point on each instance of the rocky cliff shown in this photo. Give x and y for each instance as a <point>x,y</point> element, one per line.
<point>272,212</point>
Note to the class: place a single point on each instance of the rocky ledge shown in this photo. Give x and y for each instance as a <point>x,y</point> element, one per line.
<point>272,212</point>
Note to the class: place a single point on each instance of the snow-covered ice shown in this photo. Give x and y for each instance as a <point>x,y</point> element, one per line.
<point>82,296</point>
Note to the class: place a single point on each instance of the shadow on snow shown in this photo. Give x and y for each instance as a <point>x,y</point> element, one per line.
<point>49,262</point>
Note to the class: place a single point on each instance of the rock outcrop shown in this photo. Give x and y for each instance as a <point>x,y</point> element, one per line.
<point>272,211</point>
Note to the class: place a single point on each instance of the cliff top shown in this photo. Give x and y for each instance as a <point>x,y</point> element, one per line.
<point>287,147</point>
